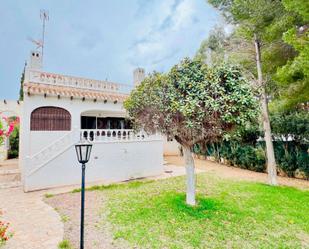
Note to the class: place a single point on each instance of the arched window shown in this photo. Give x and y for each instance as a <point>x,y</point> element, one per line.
<point>49,118</point>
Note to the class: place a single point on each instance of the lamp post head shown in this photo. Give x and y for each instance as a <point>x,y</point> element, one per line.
<point>83,151</point>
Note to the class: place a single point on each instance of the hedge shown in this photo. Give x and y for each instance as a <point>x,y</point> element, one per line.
<point>14,143</point>
<point>290,156</point>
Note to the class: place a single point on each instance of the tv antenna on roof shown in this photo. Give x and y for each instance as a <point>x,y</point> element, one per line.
<point>44,16</point>
<point>38,43</point>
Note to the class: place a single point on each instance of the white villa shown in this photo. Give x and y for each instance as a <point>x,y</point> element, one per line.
<point>59,110</point>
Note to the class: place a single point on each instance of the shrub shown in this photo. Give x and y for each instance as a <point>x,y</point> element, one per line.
<point>65,244</point>
<point>14,143</point>
<point>291,126</point>
<point>4,234</point>
<point>241,149</point>
<point>291,132</point>
<point>236,154</point>
<point>290,155</point>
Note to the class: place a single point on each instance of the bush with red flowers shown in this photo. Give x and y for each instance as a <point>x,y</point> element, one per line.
<point>4,236</point>
<point>4,232</point>
<point>7,126</point>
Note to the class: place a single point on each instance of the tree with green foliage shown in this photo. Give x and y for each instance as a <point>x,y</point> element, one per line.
<point>212,50</point>
<point>259,28</point>
<point>192,103</point>
<point>21,90</point>
<point>293,125</point>
<point>293,78</point>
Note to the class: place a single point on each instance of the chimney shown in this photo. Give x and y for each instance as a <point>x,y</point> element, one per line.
<point>138,76</point>
<point>35,61</point>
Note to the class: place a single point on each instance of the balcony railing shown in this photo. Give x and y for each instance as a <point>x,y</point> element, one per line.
<point>96,135</point>
<point>77,82</point>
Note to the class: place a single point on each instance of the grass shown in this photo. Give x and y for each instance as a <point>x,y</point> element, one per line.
<point>132,183</point>
<point>229,214</point>
<point>64,244</point>
<point>64,218</point>
<point>47,195</point>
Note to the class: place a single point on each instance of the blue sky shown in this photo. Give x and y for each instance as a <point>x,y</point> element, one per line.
<point>101,39</point>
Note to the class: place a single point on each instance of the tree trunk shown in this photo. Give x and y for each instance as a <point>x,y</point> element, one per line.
<point>270,155</point>
<point>190,198</point>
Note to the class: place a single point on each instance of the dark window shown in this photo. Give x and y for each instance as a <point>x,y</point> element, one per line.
<point>115,123</point>
<point>50,118</point>
<point>127,124</point>
<point>102,123</point>
<point>88,122</point>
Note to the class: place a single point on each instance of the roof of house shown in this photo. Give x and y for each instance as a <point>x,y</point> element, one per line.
<point>72,92</point>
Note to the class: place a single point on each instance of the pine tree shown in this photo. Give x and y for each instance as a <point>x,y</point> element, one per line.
<point>21,90</point>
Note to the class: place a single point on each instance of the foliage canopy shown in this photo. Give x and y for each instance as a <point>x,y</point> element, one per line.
<point>193,102</point>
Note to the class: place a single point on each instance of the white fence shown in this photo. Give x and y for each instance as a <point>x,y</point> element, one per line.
<point>95,135</point>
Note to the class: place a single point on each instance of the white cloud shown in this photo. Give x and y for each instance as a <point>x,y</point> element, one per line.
<point>183,15</point>
<point>164,27</point>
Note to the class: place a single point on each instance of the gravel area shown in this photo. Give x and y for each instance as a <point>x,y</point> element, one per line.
<point>97,230</point>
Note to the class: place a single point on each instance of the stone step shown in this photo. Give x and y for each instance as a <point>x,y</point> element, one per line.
<point>9,164</point>
<point>12,184</point>
<point>9,175</point>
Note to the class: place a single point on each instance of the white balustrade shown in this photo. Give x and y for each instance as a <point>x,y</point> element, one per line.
<point>96,135</point>
<point>77,82</point>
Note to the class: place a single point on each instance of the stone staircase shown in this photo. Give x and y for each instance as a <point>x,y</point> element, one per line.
<point>47,154</point>
<point>10,176</point>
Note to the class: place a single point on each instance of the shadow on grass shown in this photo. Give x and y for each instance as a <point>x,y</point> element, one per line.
<point>205,208</point>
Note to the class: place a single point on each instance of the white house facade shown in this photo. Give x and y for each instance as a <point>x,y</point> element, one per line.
<point>59,110</point>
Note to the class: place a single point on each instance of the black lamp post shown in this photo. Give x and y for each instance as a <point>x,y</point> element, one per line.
<point>83,151</point>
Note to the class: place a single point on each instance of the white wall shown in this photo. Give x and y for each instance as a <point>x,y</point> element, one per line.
<point>110,162</point>
<point>10,107</point>
<point>171,148</point>
<point>40,139</point>
<point>32,140</point>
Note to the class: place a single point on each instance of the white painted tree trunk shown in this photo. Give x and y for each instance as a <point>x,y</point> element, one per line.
<point>190,170</point>
<point>271,161</point>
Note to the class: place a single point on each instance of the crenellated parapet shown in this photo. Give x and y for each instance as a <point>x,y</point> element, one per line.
<point>76,82</point>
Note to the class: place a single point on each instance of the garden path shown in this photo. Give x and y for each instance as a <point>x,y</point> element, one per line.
<point>34,224</point>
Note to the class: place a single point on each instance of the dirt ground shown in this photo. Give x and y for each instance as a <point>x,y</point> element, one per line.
<point>97,234</point>
<point>236,173</point>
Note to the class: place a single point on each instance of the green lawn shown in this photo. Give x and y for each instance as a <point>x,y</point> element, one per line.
<point>229,214</point>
